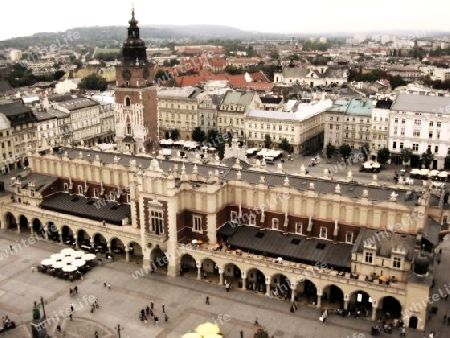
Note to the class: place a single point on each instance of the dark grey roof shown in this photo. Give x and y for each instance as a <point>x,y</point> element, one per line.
<point>349,189</point>
<point>431,231</point>
<point>385,241</point>
<point>288,246</point>
<point>4,86</point>
<point>17,113</point>
<point>79,103</point>
<point>40,181</point>
<point>421,103</point>
<point>60,98</point>
<point>216,99</point>
<point>91,208</point>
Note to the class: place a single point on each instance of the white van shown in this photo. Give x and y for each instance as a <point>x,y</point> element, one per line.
<point>269,159</point>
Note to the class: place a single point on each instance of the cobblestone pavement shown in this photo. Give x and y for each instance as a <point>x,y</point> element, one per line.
<point>183,298</point>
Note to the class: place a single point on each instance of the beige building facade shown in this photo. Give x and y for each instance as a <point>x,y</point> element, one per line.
<point>336,233</point>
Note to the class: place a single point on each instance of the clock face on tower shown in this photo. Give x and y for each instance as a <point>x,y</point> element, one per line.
<point>126,74</point>
<point>146,73</point>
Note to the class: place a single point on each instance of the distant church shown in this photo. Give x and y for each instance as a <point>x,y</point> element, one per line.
<point>135,109</point>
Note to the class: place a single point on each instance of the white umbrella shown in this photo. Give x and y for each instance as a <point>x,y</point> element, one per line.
<point>48,262</point>
<point>89,257</point>
<point>79,262</point>
<point>57,257</point>
<point>69,268</point>
<point>443,174</point>
<point>78,254</point>
<point>68,260</point>
<point>58,265</point>
<point>67,252</point>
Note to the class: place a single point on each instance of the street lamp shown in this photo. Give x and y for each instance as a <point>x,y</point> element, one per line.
<point>119,328</point>
<point>43,307</point>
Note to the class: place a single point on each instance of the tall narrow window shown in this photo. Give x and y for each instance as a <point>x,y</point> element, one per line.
<point>157,221</point>
<point>127,102</point>
<point>197,223</point>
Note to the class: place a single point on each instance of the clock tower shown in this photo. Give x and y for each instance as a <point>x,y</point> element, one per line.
<point>135,109</point>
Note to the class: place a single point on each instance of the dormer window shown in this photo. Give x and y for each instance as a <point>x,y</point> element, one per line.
<point>66,187</point>
<point>323,232</point>
<point>275,223</point>
<point>396,262</point>
<point>80,190</point>
<point>368,257</point>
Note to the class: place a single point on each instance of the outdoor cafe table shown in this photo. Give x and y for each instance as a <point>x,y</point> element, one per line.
<point>48,262</point>
<point>57,257</point>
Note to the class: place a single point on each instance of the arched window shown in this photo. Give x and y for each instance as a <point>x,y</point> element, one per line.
<point>127,101</point>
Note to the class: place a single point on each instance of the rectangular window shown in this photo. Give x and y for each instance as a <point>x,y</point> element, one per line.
<point>431,123</point>
<point>275,223</point>
<point>349,237</point>
<point>394,145</point>
<point>368,258</point>
<point>396,120</point>
<point>438,124</point>
<point>197,223</point>
<point>418,122</point>
<point>415,147</point>
<point>436,149</point>
<point>157,221</point>
<point>233,216</point>
<point>298,228</point>
<point>416,133</point>
<point>396,262</point>
<point>323,232</point>
<point>252,220</point>
<point>401,145</point>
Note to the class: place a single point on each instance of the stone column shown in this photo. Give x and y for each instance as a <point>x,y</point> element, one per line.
<point>243,280</point>
<point>92,243</point>
<point>267,289</point>
<point>221,275</point>
<point>108,248</point>
<point>127,254</point>
<point>75,241</point>
<point>293,286</point>
<point>374,310</point>
<point>345,304</point>
<point>319,299</point>
<point>46,232</point>
<point>199,269</point>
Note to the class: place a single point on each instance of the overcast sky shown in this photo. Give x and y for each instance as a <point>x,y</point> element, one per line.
<point>290,16</point>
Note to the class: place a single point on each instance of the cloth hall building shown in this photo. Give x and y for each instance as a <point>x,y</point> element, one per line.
<point>322,242</point>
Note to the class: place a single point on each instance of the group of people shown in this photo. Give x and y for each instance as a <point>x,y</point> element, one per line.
<point>74,291</point>
<point>148,311</point>
<point>7,324</point>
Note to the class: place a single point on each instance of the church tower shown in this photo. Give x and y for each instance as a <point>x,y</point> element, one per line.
<point>136,108</point>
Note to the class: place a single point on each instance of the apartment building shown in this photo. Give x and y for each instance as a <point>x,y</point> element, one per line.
<point>207,111</point>
<point>349,121</point>
<point>232,112</point>
<point>302,128</point>
<point>421,123</point>
<point>178,109</point>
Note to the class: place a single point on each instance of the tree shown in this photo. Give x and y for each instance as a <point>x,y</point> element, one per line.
<point>383,155</point>
<point>345,150</point>
<point>406,154</point>
<point>427,158</point>
<point>212,137</point>
<point>274,55</point>
<point>93,82</point>
<point>447,163</point>
<point>58,74</point>
<point>285,145</point>
<point>267,141</point>
<point>198,135</point>
<point>331,150</point>
<point>175,134</point>
<point>166,135</point>
<point>220,146</point>
<point>365,151</point>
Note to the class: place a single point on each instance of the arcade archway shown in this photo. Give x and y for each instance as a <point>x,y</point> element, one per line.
<point>52,232</point>
<point>23,224</point>
<point>360,303</point>
<point>232,274</point>
<point>83,240</point>
<point>306,292</point>
<point>135,252</point>
<point>10,221</point>
<point>389,308</point>
<point>255,281</point>
<point>333,296</point>
<point>159,260</point>
<point>67,235</point>
<point>37,228</point>
<point>100,243</point>
<point>280,286</point>
<point>188,266</point>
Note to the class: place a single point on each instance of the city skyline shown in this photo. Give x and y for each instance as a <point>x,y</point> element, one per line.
<point>350,16</point>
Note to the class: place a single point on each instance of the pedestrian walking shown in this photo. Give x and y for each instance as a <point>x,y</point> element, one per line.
<point>151,305</point>
<point>32,269</point>
<point>164,308</point>
<point>92,308</point>
<point>207,300</point>
<point>75,289</point>
<point>151,313</point>
<point>104,284</point>
<point>70,291</point>
<point>147,310</point>
<point>70,316</point>
<point>58,328</point>
<point>241,333</point>
<point>71,307</point>
<point>96,334</point>
<point>109,286</point>
<point>11,247</point>
<point>166,318</point>
<point>156,321</point>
